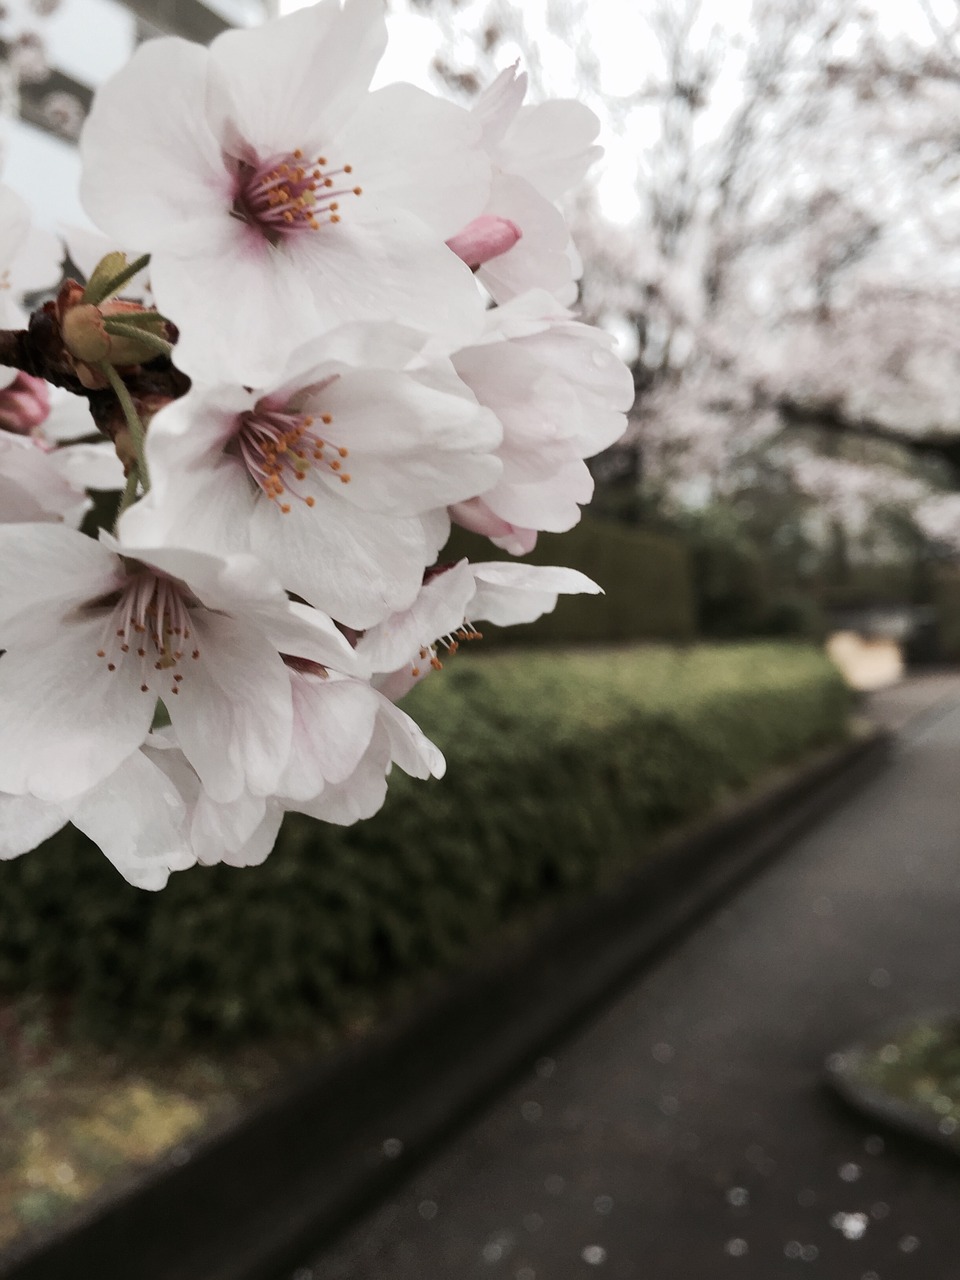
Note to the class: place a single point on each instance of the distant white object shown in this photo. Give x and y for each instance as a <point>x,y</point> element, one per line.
<point>866,663</point>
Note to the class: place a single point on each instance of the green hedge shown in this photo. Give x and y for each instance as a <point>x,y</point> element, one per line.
<point>646,578</point>
<point>946,600</point>
<point>561,768</point>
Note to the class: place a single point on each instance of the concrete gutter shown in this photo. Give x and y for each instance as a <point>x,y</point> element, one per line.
<point>250,1202</point>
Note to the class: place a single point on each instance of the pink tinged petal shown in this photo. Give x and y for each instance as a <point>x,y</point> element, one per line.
<point>540,259</point>
<point>293,83</point>
<point>439,609</point>
<point>46,571</point>
<point>138,818</point>
<point>355,566</point>
<point>417,152</point>
<point>68,722</point>
<point>360,797</point>
<point>24,404</point>
<point>232,832</point>
<point>259,845</point>
<point>476,516</point>
<point>232,716</point>
<point>333,723</point>
<point>153,173</point>
<point>26,822</point>
<point>410,748</point>
<point>550,145</point>
<point>484,238</point>
<point>517,541</point>
<point>507,594</point>
<point>552,506</point>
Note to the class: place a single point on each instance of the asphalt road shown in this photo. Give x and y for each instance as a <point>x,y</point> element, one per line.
<point>686,1133</point>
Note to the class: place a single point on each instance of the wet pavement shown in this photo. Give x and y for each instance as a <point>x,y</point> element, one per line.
<point>686,1134</point>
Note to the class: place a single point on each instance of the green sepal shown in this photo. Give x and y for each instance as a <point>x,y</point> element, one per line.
<point>150,344</point>
<point>110,275</point>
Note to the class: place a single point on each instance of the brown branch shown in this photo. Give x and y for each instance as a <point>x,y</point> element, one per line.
<point>39,351</point>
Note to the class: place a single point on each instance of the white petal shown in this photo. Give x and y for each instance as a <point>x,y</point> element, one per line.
<point>356,566</point>
<point>539,260</point>
<point>513,593</point>
<point>45,571</point>
<point>439,609</point>
<point>411,149</point>
<point>26,822</point>
<point>90,466</point>
<point>152,170</point>
<point>138,818</point>
<point>292,83</point>
<point>220,832</point>
<point>233,715</point>
<point>384,264</point>
<point>333,723</point>
<point>549,144</point>
<point>67,722</point>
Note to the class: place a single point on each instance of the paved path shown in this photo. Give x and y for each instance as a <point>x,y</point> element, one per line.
<point>685,1134</point>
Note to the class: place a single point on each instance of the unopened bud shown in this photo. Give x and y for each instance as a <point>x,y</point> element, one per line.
<point>115,332</point>
<point>484,238</point>
<point>24,405</point>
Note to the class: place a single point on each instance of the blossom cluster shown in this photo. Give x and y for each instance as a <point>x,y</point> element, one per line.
<point>323,323</point>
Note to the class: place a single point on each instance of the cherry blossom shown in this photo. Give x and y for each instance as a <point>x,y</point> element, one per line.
<point>560,394</point>
<point>136,816</point>
<point>328,473</point>
<point>406,647</point>
<point>278,196</point>
<point>538,153</point>
<point>93,639</point>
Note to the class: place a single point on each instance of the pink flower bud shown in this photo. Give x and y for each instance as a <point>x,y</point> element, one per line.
<point>484,238</point>
<point>24,404</point>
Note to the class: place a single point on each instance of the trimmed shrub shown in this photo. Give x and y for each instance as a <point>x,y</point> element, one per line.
<point>646,579</point>
<point>561,769</point>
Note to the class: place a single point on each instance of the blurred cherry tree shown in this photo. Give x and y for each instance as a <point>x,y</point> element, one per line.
<point>775,238</point>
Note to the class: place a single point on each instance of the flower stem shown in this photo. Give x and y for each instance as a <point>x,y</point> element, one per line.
<point>135,426</point>
<point>129,495</point>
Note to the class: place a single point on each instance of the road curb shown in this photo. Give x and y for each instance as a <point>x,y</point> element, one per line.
<point>250,1202</point>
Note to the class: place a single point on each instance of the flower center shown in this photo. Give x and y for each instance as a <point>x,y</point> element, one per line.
<point>149,623</point>
<point>288,194</point>
<point>280,449</point>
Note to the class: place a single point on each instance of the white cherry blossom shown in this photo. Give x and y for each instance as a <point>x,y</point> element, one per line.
<point>560,394</point>
<point>135,815</point>
<point>538,153</point>
<point>407,646</point>
<point>330,475</point>
<point>277,196</point>
<point>94,638</point>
